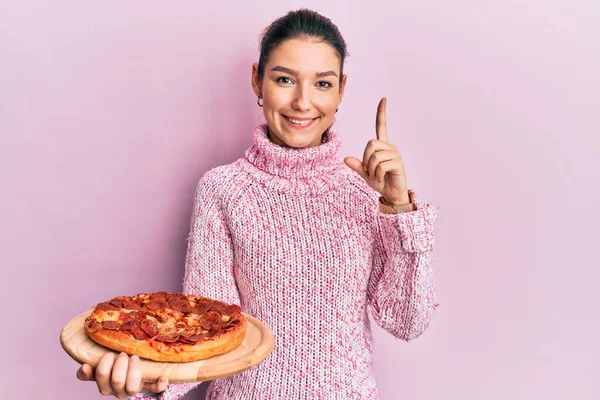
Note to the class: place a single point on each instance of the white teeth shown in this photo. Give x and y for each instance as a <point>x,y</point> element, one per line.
<point>296,122</point>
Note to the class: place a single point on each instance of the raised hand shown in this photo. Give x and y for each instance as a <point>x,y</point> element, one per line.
<point>382,167</point>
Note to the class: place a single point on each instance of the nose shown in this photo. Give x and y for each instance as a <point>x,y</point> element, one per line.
<point>302,99</point>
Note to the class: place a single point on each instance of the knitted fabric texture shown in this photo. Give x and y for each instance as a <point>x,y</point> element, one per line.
<point>296,238</point>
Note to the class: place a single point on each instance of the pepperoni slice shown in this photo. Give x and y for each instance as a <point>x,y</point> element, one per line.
<point>214,306</point>
<point>149,327</point>
<point>182,305</point>
<point>217,306</point>
<point>138,333</point>
<point>131,305</point>
<point>112,325</point>
<point>159,296</point>
<point>201,308</point>
<point>154,305</point>
<point>167,338</point>
<point>231,309</point>
<point>107,307</point>
<point>127,325</point>
<point>230,324</point>
<point>137,316</point>
<point>94,325</point>
<point>205,323</point>
<point>160,318</point>
<point>117,302</point>
<point>212,334</point>
<point>193,339</point>
<point>209,319</point>
<point>214,316</point>
<point>178,296</point>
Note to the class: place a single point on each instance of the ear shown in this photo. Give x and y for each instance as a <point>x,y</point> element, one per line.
<point>343,86</point>
<point>256,81</point>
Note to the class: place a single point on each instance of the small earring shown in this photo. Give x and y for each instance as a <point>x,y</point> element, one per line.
<point>336,110</point>
<point>258,101</point>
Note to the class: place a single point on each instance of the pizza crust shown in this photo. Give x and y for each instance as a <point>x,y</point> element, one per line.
<point>180,352</point>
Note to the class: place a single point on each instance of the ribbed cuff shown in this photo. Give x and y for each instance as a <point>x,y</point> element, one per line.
<point>411,232</point>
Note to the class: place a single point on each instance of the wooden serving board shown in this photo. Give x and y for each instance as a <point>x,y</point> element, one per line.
<point>255,347</point>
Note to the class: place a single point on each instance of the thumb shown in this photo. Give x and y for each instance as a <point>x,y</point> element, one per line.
<point>356,165</point>
<point>85,373</point>
<point>157,387</point>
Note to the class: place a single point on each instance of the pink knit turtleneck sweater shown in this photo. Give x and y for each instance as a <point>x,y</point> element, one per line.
<point>296,238</point>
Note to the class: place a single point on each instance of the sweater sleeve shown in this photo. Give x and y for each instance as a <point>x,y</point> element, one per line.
<point>208,265</point>
<point>401,289</point>
<point>209,259</point>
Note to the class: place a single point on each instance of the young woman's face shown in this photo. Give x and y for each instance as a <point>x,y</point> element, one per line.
<point>300,90</point>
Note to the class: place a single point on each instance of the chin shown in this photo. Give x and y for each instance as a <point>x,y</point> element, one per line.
<point>297,136</point>
<point>300,139</point>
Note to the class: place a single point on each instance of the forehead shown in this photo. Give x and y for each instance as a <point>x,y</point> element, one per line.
<point>304,55</point>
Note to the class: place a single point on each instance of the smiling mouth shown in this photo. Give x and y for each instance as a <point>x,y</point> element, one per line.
<point>299,121</point>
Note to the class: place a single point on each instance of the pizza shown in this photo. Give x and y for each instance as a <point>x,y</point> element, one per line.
<point>167,327</point>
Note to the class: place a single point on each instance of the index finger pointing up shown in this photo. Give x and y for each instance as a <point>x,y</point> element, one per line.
<point>380,123</point>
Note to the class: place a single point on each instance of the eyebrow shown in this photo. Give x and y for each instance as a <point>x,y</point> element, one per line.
<point>296,73</point>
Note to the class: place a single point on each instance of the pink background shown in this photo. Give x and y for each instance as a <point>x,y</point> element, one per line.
<point>110,113</point>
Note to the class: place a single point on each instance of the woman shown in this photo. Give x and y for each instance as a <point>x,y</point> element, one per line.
<point>302,239</point>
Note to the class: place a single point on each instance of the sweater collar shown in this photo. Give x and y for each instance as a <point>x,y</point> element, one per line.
<point>309,171</point>
<point>291,162</point>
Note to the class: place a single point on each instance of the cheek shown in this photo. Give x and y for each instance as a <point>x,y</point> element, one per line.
<point>327,103</point>
<point>276,98</point>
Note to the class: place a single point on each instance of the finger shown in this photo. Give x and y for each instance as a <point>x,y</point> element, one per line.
<point>103,372</point>
<point>356,165</point>
<point>118,375</point>
<point>156,387</point>
<point>380,122</point>
<point>379,157</point>
<point>133,382</point>
<point>373,146</point>
<point>383,168</point>
<point>85,373</point>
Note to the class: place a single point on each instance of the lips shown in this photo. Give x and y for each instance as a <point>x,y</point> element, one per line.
<point>299,121</point>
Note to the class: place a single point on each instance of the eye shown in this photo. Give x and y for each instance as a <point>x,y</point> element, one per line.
<point>324,84</point>
<point>284,79</point>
